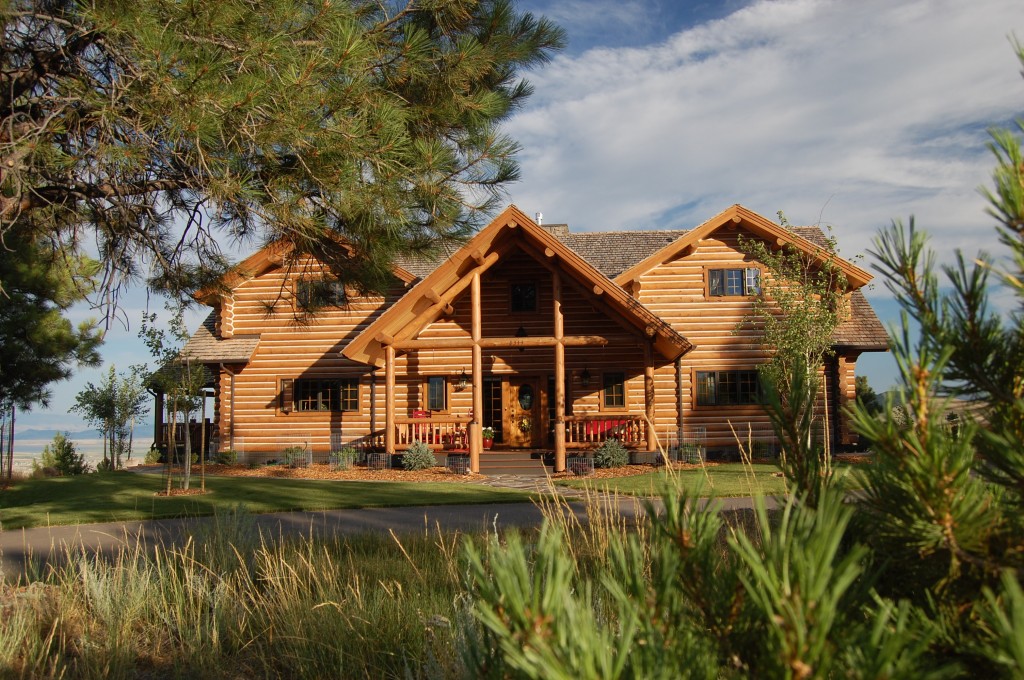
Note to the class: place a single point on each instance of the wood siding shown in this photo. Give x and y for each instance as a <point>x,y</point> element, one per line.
<point>251,419</point>
<point>677,291</point>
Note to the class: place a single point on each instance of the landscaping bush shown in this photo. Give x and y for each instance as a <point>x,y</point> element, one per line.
<point>227,457</point>
<point>344,458</point>
<point>62,457</point>
<point>611,454</point>
<point>295,456</point>
<point>418,457</point>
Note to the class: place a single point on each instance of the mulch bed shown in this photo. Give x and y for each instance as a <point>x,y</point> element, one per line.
<point>437,474</point>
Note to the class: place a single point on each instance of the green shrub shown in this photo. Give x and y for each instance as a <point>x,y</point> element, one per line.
<point>611,454</point>
<point>418,457</point>
<point>344,458</point>
<point>61,456</point>
<point>690,452</point>
<point>227,457</point>
<point>153,455</point>
<point>295,456</point>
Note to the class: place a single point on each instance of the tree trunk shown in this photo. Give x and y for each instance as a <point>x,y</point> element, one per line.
<point>171,445</point>
<point>186,473</point>
<point>10,446</point>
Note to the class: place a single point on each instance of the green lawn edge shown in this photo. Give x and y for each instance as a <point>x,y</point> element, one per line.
<point>727,480</point>
<point>126,496</point>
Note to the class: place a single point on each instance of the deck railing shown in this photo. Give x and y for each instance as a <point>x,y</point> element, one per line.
<point>437,432</point>
<point>592,430</point>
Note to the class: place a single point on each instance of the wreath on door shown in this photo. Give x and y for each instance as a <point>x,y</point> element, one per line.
<point>525,424</point>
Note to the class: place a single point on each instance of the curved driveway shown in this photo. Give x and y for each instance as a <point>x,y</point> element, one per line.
<point>52,545</point>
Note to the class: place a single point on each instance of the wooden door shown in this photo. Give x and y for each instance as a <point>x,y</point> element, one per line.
<point>522,411</point>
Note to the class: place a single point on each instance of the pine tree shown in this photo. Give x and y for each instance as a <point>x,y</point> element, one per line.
<point>164,128</point>
<point>39,346</point>
<point>918,575</point>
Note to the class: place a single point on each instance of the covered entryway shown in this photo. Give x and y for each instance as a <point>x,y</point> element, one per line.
<point>541,310</point>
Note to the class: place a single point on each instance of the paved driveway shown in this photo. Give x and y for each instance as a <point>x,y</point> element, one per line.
<point>52,545</point>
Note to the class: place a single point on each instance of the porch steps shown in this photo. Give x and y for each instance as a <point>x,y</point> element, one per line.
<point>525,463</point>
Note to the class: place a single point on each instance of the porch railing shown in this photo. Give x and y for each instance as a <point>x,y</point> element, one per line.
<point>437,432</point>
<point>592,430</point>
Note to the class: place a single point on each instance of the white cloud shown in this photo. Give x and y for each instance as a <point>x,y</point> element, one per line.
<point>861,111</point>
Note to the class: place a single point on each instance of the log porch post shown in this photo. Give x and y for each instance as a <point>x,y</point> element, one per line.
<point>475,432</point>
<point>389,399</point>
<point>556,294</point>
<point>649,394</point>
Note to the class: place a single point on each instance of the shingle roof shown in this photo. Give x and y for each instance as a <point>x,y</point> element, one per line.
<point>610,252</point>
<point>613,252</point>
<point>206,347</point>
<point>862,330</point>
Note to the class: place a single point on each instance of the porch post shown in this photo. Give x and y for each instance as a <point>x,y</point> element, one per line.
<point>649,395</point>
<point>475,432</point>
<point>556,294</point>
<point>389,399</point>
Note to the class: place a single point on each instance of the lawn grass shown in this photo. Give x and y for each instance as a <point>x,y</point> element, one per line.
<point>124,496</point>
<point>725,480</point>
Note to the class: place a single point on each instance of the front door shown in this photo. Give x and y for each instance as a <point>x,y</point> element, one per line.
<point>522,422</point>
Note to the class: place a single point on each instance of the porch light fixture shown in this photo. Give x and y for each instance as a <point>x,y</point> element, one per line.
<point>585,378</point>
<point>521,333</point>
<point>462,382</point>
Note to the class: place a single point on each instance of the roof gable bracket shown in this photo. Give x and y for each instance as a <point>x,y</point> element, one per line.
<point>444,301</point>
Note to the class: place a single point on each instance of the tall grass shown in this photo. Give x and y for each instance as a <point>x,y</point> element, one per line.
<point>232,602</point>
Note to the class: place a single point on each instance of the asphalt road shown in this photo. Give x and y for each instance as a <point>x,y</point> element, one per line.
<point>53,545</point>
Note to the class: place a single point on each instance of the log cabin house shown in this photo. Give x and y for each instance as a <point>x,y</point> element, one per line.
<point>556,340</point>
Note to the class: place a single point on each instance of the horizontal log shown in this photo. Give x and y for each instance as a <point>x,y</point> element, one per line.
<point>502,343</point>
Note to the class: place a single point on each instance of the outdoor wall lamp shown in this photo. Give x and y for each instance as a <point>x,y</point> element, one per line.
<point>585,378</point>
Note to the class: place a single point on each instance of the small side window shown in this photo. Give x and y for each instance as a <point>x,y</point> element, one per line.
<point>614,390</point>
<point>437,393</point>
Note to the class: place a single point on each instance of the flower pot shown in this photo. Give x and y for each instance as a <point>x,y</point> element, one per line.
<point>488,443</point>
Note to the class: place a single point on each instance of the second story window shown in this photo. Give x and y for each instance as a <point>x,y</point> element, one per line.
<point>316,293</point>
<point>523,297</point>
<point>734,282</point>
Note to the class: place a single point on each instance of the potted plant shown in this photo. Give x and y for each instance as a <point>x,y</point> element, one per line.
<point>488,436</point>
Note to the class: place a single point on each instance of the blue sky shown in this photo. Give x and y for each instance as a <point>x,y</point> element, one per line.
<point>660,114</point>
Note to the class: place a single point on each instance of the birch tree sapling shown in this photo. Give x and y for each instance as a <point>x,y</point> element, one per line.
<point>801,302</point>
<point>180,379</point>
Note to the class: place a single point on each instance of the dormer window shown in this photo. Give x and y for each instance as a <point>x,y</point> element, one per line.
<point>523,297</point>
<point>734,282</point>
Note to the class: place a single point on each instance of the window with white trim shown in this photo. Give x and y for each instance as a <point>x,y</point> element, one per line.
<point>734,282</point>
